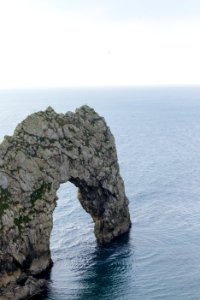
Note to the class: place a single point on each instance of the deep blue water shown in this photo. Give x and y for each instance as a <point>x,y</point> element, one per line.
<point>157,132</point>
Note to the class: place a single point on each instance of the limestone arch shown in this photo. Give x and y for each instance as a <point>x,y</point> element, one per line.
<point>48,149</point>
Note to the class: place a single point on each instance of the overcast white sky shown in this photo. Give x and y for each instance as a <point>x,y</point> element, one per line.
<point>99,43</point>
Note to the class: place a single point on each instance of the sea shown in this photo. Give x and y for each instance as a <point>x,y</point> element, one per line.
<point>157,135</point>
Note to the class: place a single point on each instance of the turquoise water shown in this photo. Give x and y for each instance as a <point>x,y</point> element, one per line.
<point>157,132</point>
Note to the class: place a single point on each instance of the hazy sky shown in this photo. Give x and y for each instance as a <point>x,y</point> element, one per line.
<point>99,43</point>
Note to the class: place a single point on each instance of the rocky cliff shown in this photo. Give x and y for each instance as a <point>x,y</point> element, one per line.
<point>48,149</point>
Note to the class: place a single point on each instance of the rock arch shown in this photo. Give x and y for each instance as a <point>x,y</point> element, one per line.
<point>48,149</point>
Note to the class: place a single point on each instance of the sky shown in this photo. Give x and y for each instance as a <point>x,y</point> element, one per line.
<point>70,43</point>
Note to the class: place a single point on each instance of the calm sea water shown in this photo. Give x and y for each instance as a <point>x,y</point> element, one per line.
<point>157,132</point>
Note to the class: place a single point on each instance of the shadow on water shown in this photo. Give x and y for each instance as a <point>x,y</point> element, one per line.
<point>43,296</point>
<point>103,276</point>
<point>106,271</point>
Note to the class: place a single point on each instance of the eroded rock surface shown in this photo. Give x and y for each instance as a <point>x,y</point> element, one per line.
<point>48,149</point>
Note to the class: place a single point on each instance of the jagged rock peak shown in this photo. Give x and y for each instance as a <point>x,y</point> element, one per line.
<point>48,149</point>
<point>50,110</point>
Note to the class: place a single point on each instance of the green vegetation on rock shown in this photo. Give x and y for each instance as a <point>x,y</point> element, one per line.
<point>4,196</point>
<point>37,194</point>
<point>21,221</point>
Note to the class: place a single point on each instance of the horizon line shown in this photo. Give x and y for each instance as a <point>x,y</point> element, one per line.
<point>99,87</point>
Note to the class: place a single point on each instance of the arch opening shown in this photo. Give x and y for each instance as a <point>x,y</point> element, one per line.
<point>71,224</point>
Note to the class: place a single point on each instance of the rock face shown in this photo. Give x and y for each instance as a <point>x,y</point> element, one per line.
<point>48,149</point>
